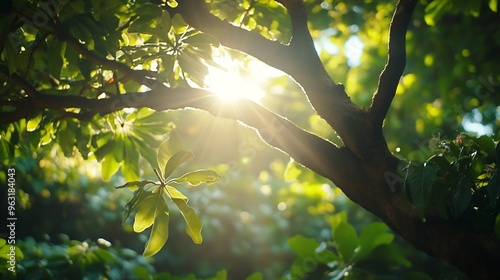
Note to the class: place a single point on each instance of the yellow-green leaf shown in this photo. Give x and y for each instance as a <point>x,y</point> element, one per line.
<point>159,233</point>
<point>175,194</point>
<point>193,223</point>
<point>109,167</point>
<point>34,123</point>
<point>176,160</point>
<point>147,211</point>
<point>168,148</point>
<point>135,184</point>
<point>197,177</point>
<point>130,167</point>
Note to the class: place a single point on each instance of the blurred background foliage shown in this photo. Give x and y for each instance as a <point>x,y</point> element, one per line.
<point>267,218</point>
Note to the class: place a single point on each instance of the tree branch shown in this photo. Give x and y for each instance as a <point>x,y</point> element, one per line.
<point>308,149</point>
<point>396,61</point>
<point>135,75</point>
<point>299,59</point>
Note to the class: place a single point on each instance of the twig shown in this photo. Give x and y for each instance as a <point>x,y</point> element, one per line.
<point>396,61</point>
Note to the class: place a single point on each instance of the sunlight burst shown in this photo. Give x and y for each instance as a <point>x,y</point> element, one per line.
<point>233,82</point>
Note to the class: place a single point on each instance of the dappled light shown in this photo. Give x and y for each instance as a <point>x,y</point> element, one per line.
<point>252,139</point>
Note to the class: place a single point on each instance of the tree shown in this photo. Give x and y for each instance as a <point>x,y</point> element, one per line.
<point>66,67</point>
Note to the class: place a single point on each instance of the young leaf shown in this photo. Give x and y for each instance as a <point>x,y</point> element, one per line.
<point>175,194</point>
<point>159,233</point>
<point>371,236</point>
<point>139,195</point>
<point>346,239</point>
<point>176,160</point>
<point>147,210</point>
<point>197,177</point>
<point>193,223</point>
<point>302,246</point>
<point>168,148</point>
<point>136,184</point>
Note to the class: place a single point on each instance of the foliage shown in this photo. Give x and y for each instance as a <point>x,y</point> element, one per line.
<point>75,259</point>
<point>347,254</point>
<point>150,200</point>
<point>67,48</point>
<point>460,181</point>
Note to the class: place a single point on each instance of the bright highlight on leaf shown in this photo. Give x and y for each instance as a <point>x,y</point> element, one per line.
<point>193,223</point>
<point>198,177</point>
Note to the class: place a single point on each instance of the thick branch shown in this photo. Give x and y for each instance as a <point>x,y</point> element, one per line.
<point>306,148</point>
<point>396,61</point>
<point>299,59</point>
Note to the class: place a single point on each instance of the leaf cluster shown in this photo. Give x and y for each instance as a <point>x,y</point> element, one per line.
<point>150,201</point>
<point>460,181</point>
<point>349,254</point>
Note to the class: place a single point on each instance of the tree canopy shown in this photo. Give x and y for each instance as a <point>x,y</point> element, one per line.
<point>329,139</point>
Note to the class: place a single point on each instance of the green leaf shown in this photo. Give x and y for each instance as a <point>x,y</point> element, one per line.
<point>194,66</point>
<point>371,236</point>
<point>175,194</point>
<point>66,137</point>
<point>147,210</point>
<point>55,50</point>
<point>168,148</point>
<point>159,233</point>
<point>336,220</point>
<point>461,195</point>
<point>493,188</point>
<point>197,177</point>
<point>118,151</point>
<point>166,21</point>
<point>176,160</point>
<point>487,145</point>
<point>179,24</point>
<point>193,223</point>
<point>130,166</point>
<point>34,123</point>
<point>131,206</point>
<point>109,167</point>
<point>346,238</point>
<point>420,180</point>
<point>105,150</point>
<point>302,246</point>
<point>146,151</point>
<point>136,184</point>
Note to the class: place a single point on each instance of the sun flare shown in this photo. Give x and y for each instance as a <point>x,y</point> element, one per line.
<point>233,82</point>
